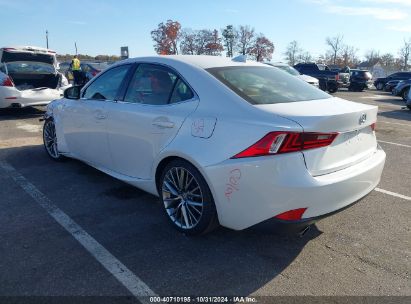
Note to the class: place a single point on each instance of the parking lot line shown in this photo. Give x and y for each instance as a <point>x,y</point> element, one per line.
<point>395,144</point>
<point>125,276</point>
<point>393,194</point>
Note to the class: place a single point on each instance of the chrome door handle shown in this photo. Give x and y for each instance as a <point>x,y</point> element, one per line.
<point>163,124</point>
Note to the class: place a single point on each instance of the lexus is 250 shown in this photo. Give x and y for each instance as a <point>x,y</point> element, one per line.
<point>220,141</point>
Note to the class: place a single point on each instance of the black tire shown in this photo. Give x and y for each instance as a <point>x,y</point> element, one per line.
<point>380,86</point>
<point>207,221</point>
<point>332,90</point>
<point>404,94</point>
<point>51,147</point>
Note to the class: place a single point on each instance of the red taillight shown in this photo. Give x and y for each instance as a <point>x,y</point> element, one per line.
<point>373,126</point>
<point>94,73</point>
<point>285,142</point>
<point>291,215</point>
<point>7,82</point>
<point>337,77</point>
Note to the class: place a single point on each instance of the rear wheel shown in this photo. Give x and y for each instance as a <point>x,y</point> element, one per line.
<point>187,199</point>
<point>50,140</point>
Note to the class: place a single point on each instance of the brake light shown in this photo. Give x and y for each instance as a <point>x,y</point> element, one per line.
<point>7,82</point>
<point>94,73</point>
<point>9,49</point>
<point>292,215</point>
<point>337,77</point>
<point>285,142</point>
<point>373,126</point>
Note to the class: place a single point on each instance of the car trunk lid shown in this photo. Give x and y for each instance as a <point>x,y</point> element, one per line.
<point>352,121</point>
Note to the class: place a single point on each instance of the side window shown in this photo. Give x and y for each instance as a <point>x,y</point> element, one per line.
<point>156,85</point>
<point>107,85</point>
<point>181,92</point>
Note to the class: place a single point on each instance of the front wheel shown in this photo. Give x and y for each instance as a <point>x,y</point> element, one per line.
<point>50,140</point>
<point>187,199</point>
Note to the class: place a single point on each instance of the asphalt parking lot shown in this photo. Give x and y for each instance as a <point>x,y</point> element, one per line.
<point>68,229</point>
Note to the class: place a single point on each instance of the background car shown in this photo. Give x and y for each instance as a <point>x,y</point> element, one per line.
<point>29,76</point>
<point>360,80</point>
<point>219,140</point>
<point>329,80</point>
<point>380,83</point>
<point>402,89</point>
<point>285,67</point>
<point>390,85</point>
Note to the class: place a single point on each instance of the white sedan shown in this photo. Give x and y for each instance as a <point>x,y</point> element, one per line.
<point>220,141</point>
<point>29,77</point>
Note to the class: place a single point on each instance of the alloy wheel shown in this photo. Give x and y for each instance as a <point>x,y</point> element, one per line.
<point>182,197</point>
<point>50,139</point>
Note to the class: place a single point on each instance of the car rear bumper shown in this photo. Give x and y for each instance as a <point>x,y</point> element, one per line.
<point>11,97</point>
<point>251,191</point>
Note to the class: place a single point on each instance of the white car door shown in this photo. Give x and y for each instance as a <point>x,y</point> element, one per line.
<point>156,103</point>
<point>84,121</point>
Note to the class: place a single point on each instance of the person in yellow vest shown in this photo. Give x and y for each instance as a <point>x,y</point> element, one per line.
<point>76,69</point>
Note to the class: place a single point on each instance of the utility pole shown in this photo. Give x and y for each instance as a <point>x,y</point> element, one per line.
<point>75,45</point>
<point>47,38</point>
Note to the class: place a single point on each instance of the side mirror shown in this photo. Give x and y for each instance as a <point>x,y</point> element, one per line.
<point>72,92</point>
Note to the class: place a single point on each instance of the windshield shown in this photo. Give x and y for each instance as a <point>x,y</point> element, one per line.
<point>288,69</point>
<point>265,85</point>
<point>30,67</point>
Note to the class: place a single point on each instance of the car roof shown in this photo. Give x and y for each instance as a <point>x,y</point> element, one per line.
<point>202,61</point>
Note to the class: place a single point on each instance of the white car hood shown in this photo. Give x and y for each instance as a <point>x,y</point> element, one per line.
<point>307,78</point>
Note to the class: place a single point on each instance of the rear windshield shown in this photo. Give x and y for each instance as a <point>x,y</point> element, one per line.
<point>30,68</point>
<point>266,85</point>
<point>27,56</point>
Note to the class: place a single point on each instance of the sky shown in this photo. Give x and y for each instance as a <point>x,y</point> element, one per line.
<point>103,26</point>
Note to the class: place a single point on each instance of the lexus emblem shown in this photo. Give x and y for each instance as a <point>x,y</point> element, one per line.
<point>363,118</point>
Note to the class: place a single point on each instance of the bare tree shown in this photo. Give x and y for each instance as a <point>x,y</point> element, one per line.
<point>305,57</point>
<point>373,57</point>
<point>405,53</point>
<point>349,55</point>
<point>245,38</point>
<point>388,60</point>
<point>230,39</point>
<point>188,42</point>
<point>335,43</point>
<point>292,52</point>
